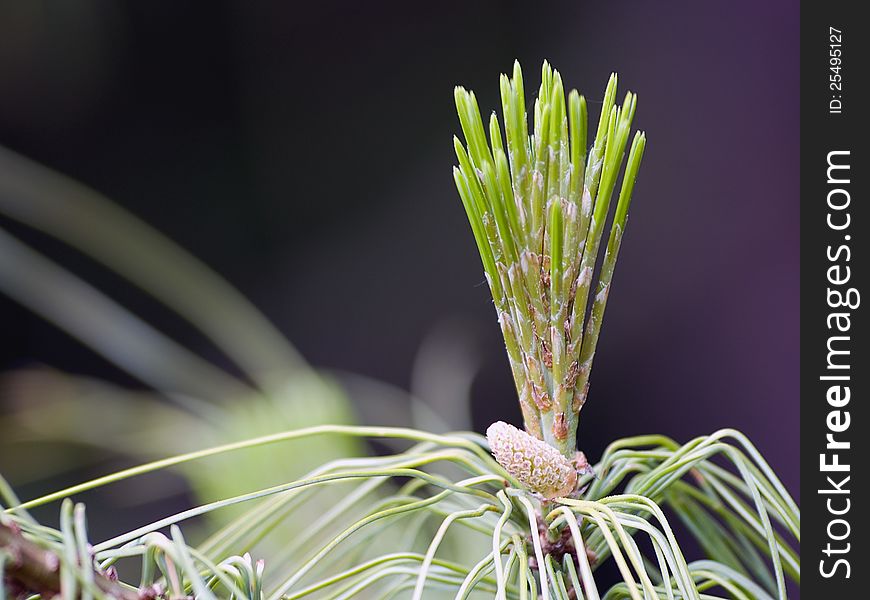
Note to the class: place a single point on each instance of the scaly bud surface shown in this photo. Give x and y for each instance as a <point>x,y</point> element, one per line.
<point>538,465</point>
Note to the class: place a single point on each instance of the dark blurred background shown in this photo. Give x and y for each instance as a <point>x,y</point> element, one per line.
<point>304,151</point>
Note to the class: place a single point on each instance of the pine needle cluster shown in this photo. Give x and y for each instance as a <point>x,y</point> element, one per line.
<point>538,206</point>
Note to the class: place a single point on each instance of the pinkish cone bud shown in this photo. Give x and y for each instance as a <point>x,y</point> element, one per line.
<point>536,464</point>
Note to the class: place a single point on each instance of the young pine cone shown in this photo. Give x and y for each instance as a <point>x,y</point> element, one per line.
<point>537,465</point>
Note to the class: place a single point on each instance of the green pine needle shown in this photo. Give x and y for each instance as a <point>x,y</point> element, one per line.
<point>538,207</point>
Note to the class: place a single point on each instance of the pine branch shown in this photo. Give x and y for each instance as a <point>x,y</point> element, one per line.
<point>31,569</point>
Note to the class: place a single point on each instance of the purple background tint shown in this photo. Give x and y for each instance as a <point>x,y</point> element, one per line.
<point>305,153</point>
